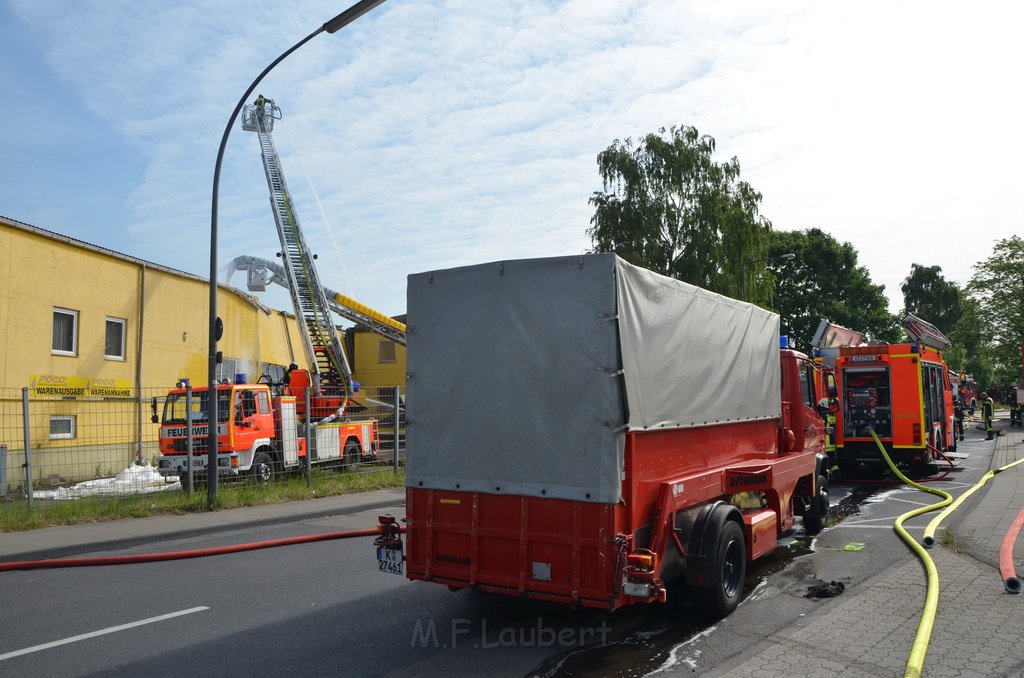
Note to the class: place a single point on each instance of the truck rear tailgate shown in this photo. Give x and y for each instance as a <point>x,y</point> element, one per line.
<point>553,549</point>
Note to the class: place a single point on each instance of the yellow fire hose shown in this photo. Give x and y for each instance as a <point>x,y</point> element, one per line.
<point>929,532</point>
<point>915,662</point>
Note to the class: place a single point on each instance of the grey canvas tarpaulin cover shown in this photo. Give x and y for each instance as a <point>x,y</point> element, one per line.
<point>524,376</point>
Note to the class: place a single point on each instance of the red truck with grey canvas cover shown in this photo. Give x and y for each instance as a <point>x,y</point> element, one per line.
<point>582,430</point>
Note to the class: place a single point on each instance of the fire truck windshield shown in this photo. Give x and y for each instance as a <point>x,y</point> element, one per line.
<point>174,407</point>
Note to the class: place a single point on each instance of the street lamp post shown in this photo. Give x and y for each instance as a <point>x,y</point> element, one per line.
<point>332,26</point>
<point>789,256</point>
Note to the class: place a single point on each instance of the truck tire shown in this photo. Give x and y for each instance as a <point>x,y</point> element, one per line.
<point>730,569</point>
<point>353,453</point>
<point>816,516</point>
<point>262,468</point>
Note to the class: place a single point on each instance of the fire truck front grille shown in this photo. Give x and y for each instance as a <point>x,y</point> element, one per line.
<point>197,444</point>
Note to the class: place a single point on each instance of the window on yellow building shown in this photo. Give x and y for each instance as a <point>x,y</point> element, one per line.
<point>113,346</point>
<point>386,354</point>
<point>62,426</point>
<point>65,332</point>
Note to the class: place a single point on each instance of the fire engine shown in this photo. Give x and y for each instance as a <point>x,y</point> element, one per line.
<point>967,390</point>
<point>264,428</point>
<point>619,430</point>
<point>900,391</point>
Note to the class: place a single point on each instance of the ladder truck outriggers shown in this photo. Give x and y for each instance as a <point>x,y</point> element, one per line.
<point>266,428</point>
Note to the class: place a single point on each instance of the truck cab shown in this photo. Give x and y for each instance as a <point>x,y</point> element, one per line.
<point>804,385</point>
<point>245,424</point>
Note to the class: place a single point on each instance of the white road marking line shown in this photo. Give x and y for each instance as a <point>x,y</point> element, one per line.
<point>907,501</point>
<point>101,632</point>
<point>860,521</point>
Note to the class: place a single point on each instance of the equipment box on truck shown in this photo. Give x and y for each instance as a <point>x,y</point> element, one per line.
<point>582,430</point>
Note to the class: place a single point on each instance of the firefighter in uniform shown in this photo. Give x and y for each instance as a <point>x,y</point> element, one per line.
<point>260,106</point>
<point>830,406</point>
<point>1015,411</point>
<point>959,413</point>
<point>987,412</point>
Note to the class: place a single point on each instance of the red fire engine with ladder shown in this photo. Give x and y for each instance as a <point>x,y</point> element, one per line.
<point>264,428</point>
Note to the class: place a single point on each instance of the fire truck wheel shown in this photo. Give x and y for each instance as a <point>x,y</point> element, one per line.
<point>262,468</point>
<point>816,515</point>
<point>722,597</point>
<point>353,455</point>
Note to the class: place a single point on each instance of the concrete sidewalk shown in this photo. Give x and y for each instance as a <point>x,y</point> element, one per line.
<point>69,540</point>
<point>869,631</point>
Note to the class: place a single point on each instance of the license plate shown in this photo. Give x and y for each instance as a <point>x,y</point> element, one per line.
<point>636,589</point>
<point>389,560</point>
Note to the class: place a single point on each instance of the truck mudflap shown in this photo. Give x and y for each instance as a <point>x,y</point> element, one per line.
<point>702,557</point>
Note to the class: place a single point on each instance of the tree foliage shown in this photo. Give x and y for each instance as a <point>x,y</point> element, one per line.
<point>928,295</point>
<point>824,281</point>
<point>998,288</point>
<point>971,352</point>
<point>669,207</point>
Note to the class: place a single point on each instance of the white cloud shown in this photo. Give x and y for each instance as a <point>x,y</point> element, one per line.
<point>450,132</point>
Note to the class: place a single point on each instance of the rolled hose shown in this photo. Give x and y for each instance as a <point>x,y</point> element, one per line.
<point>182,555</point>
<point>915,661</point>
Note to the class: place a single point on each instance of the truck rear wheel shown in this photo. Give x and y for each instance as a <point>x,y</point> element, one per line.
<point>262,468</point>
<point>730,570</point>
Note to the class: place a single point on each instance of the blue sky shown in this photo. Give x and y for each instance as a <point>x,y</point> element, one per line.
<point>438,133</point>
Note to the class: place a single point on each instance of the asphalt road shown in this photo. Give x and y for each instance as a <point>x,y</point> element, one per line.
<point>318,609</point>
<point>324,609</point>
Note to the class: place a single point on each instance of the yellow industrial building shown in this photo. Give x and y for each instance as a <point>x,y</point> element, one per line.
<point>103,330</point>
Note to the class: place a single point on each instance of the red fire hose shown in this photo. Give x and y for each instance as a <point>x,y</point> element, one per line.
<point>1011,582</point>
<point>182,555</point>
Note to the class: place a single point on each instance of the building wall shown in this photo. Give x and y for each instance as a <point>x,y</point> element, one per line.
<point>373,366</point>
<point>168,309</point>
<point>107,399</point>
<point>110,398</point>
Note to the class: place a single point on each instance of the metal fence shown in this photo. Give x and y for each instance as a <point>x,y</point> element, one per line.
<point>75,446</point>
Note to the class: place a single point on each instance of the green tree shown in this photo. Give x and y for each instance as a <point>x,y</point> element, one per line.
<point>998,288</point>
<point>668,206</point>
<point>825,282</point>
<point>971,352</point>
<point>929,296</point>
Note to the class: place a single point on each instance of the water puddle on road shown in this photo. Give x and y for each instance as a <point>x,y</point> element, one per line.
<point>659,634</point>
